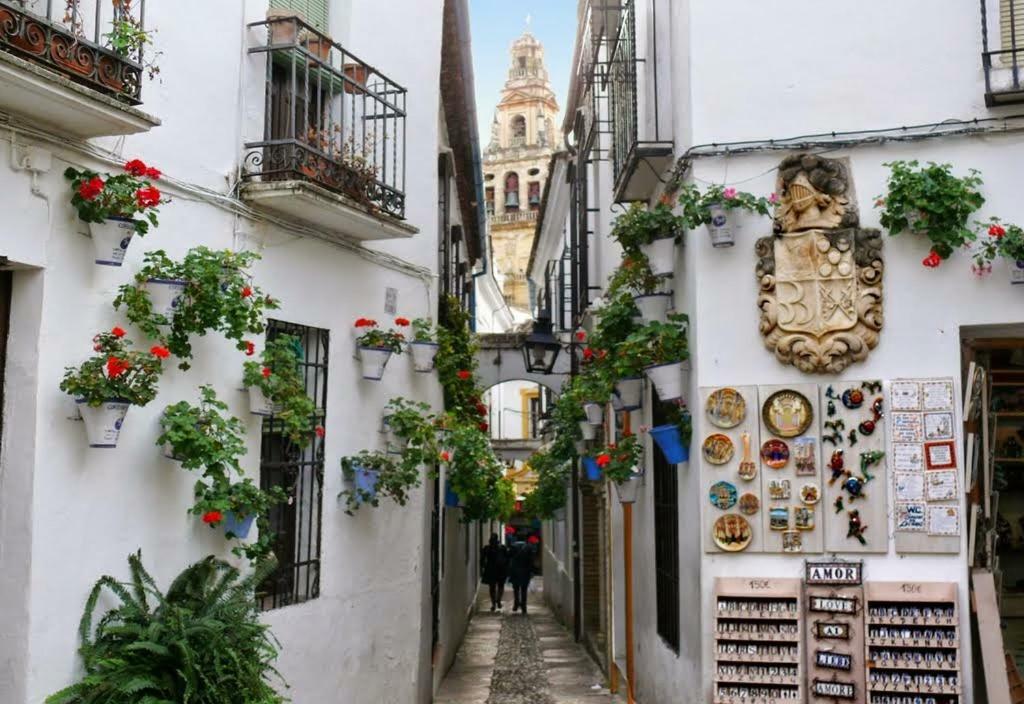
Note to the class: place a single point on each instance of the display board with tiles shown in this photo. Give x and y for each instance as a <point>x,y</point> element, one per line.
<point>833,604</point>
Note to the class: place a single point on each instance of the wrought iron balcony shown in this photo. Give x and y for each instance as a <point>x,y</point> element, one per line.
<point>1003,19</point>
<point>332,120</point>
<point>75,40</point>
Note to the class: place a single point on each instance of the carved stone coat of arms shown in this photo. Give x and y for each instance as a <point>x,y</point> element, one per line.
<point>820,274</point>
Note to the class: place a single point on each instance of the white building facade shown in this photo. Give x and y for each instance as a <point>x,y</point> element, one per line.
<point>671,93</point>
<point>376,603</point>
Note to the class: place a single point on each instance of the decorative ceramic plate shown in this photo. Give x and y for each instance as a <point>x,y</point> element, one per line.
<point>726,408</point>
<point>810,494</point>
<point>749,504</point>
<point>722,495</point>
<point>731,532</point>
<point>787,413</point>
<point>775,454</point>
<point>718,448</point>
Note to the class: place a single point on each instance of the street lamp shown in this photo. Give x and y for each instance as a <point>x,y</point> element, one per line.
<point>541,348</point>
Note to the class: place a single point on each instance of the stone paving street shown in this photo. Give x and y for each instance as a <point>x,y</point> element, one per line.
<point>507,658</point>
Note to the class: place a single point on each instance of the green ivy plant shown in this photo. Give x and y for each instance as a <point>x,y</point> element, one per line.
<point>659,343</point>
<point>203,435</point>
<point>550,491</point>
<point>697,205</point>
<point>115,372</point>
<point>619,461</point>
<point>931,201</point>
<point>566,415</point>
<point>640,226</point>
<point>279,377</point>
<point>219,297</point>
<point>395,479</point>
<point>201,641</point>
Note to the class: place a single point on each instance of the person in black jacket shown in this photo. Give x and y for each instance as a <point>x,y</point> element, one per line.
<point>494,569</point>
<point>520,571</point>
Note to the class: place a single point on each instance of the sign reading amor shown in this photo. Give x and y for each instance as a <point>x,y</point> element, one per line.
<point>834,573</point>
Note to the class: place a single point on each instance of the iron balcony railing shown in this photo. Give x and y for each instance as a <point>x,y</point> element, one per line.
<point>83,40</point>
<point>331,119</point>
<point>1002,20</point>
<point>622,90</point>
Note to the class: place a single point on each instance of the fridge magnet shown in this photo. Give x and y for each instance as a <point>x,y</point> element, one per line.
<point>803,518</point>
<point>940,486</point>
<point>855,528</point>
<point>810,494</point>
<point>787,413</point>
<point>940,454</point>
<point>837,463</point>
<point>731,532</point>
<point>943,520</point>
<point>937,395</point>
<point>778,518</point>
<point>804,456</point>
<point>775,454</point>
<point>722,495</point>
<point>718,449</point>
<point>749,504</point>
<point>792,541</point>
<point>835,434</point>
<point>855,488</point>
<point>872,387</point>
<point>905,396</point>
<point>867,427</point>
<point>748,468</point>
<point>938,426</point>
<point>726,408</point>
<point>910,516</point>
<point>779,490</point>
<point>868,460</point>
<point>853,398</point>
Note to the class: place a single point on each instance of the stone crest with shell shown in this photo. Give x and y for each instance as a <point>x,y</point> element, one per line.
<point>820,274</point>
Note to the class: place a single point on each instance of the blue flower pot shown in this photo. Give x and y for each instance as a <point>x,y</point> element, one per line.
<point>592,469</point>
<point>451,499</point>
<point>237,527</point>
<point>670,442</point>
<point>366,483</point>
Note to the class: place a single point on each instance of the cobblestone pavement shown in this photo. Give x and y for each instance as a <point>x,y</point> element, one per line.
<point>508,658</point>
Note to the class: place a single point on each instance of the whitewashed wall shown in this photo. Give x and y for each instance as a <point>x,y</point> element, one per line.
<point>69,514</point>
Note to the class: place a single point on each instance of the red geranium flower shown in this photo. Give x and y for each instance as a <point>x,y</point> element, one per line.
<point>445,456</point>
<point>932,260</point>
<point>481,409</point>
<point>91,188</point>
<point>588,353</point>
<point>581,335</point>
<point>464,374</point>
<point>135,167</point>
<point>603,459</point>
<point>148,197</point>
<point>118,332</point>
<point>366,323</point>
<point>509,530</point>
<point>116,367</point>
<point>266,372</point>
<point>160,352</point>
<point>250,349</point>
<point>154,174</point>
<point>401,322</point>
<point>483,427</point>
<point>533,540</point>
<point>320,432</point>
<point>212,517</point>
<point>246,291</point>
<point>996,231</point>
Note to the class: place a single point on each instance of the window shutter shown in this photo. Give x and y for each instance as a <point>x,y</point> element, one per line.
<point>1011,14</point>
<point>315,11</point>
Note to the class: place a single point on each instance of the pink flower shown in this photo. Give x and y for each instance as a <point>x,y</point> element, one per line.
<point>981,270</point>
<point>773,198</point>
<point>729,193</point>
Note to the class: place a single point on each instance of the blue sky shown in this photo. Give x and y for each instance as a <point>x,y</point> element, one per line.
<point>496,24</point>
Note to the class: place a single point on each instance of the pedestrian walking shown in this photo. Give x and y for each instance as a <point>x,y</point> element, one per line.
<point>520,571</point>
<point>494,569</point>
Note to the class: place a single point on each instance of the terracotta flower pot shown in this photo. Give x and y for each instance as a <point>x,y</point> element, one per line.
<point>357,73</point>
<point>319,46</point>
<point>286,29</point>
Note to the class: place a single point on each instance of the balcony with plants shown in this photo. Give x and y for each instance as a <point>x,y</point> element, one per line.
<point>332,153</point>
<point>76,65</point>
<point>1002,51</point>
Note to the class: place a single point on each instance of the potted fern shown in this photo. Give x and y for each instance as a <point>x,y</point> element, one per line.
<point>116,207</point>
<point>652,233</point>
<point>376,347</point>
<point>276,387</point>
<point>424,344</point>
<point>717,209</point>
<point>663,350</point>
<point>107,384</point>
<point>202,435</point>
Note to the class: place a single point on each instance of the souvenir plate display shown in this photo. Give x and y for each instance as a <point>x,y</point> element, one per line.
<point>726,408</point>
<point>912,641</point>
<point>729,453</point>
<point>757,644</point>
<point>835,628</point>
<point>925,466</point>
<point>855,498</point>
<point>723,495</point>
<point>789,461</point>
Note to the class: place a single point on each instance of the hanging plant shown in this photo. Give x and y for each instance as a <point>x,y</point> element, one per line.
<point>204,435</point>
<point>673,437</point>
<point>619,461</point>
<point>376,346</point>
<point>456,364</point>
<point>216,294</point>
<point>931,201</point>
<point>715,209</point>
<point>1003,240</point>
<point>279,385</point>
<point>424,345</point>
<point>641,226</point>
<point>233,507</point>
<point>549,494</point>
<point>370,475</point>
<point>663,351</point>
<point>415,426</point>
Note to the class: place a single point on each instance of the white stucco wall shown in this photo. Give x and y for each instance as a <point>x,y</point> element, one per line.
<point>69,514</point>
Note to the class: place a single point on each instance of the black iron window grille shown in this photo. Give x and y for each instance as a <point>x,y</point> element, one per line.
<point>296,524</point>
<point>331,119</point>
<point>1003,63</point>
<point>666,541</point>
<point>73,38</point>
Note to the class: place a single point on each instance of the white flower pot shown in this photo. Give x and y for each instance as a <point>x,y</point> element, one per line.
<point>169,452</point>
<point>110,239</point>
<point>423,354</point>
<point>260,404</point>
<point>595,413</point>
<point>617,403</point>
<point>581,445</point>
<point>661,255</point>
<point>722,227</point>
<point>671,380</point>
<point>103,422</point>
<point>589,431</point>
<point>1017,272</point>
<point>374,359</point>
<point>630,392</point>
<point>654,307</point>
<point>629,490</point>
<point>165,295</point>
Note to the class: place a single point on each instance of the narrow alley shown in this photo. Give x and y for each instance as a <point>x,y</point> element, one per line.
<point>507,658</point>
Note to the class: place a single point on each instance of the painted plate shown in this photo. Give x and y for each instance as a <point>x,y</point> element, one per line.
<point>810,494</point>
<point>718,448</point>
<point>787,413</point>
<point>726,408</point>
<point>775,454</point>
<point>722,495</point>
<point>731,532</point>
<point>749,504</point>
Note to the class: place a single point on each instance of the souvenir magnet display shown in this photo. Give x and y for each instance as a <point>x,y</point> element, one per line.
<point>775,454</point>
<point>731,532</point>
<point>723,495</point>
<point>787,413</point>
<point>748,468</point>
<point>749,504</point>
<point>726,408</point>
<point>718,449</point>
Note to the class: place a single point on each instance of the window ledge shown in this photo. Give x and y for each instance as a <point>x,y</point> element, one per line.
<point>47,98</point>
<point>642,170</point>
<point>338,215</point>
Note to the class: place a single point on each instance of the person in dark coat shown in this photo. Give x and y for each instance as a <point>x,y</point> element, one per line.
<point>520,571</point>
<point>494,569</point>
